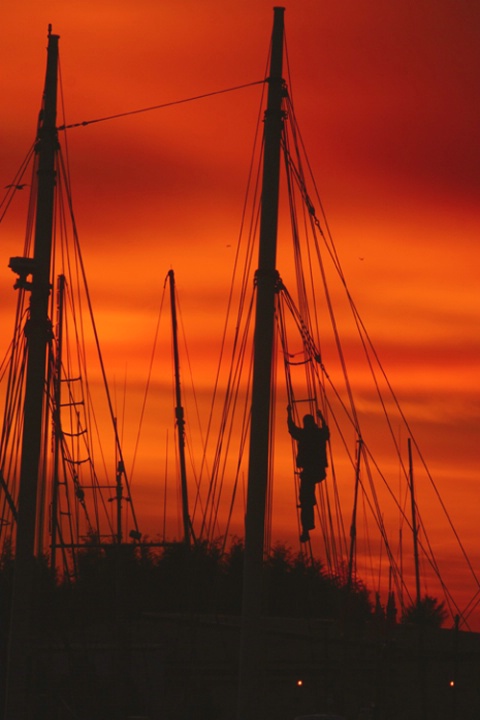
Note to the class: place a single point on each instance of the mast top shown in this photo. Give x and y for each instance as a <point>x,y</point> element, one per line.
<point>50,34</point>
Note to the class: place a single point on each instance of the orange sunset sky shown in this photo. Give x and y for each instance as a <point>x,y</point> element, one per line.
<point>386,95</point>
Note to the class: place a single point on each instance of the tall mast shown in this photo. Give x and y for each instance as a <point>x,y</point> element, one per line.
<point>57,420</point>
<point>353,526</point>
<point>179,415</point>
<point>266,282</point>
<point>38,333</point>
<point>414,522</point>
<point>119,498</point>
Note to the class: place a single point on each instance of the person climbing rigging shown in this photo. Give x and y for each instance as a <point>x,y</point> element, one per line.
<point>312,460</point>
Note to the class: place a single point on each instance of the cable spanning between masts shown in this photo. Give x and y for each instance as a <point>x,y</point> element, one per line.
<point>159,107</point>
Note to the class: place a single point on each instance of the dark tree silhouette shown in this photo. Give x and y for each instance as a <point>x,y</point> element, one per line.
<point>428,611</point>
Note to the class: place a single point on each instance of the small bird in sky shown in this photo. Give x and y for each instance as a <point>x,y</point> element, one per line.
<point>17,187</point>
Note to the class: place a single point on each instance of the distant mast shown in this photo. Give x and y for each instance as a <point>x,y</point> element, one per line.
<point>414,523</point>
<point>38,333</point>
<point>179,415</point>
<point>266,281</point>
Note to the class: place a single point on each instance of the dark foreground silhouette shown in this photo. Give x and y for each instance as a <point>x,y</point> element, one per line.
<point>156,633</point>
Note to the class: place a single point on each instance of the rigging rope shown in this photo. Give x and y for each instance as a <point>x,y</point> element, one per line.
<point>17,182</point>
<point>147,384</point>
<point>160,106</point>
<point>295,172</point>
<point>316,376</point>
<point>97,342</point>
<point>241,274</point>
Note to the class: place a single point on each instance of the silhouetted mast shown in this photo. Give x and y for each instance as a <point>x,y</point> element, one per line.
<point>38,333</point>
<point>57,421</point>
<point>414,522</point>
<point>119,498</point>
<point>266,281</point>
<point>353,526</point>
<point>179,415</point>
